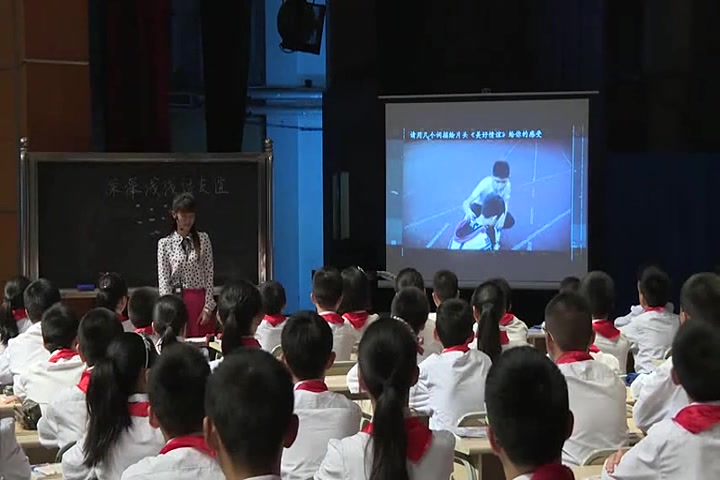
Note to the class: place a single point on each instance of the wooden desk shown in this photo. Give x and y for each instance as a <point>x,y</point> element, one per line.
<point>587,472</point>
<point>30,443</point>
<point>6,409</point>
<point>479,453</point>
<point>51,471</point>
<point>536,338</point>
<point>338,384</point>
<point>629,396</point>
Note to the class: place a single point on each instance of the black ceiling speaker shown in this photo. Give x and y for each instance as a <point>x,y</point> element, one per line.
<point>300,25</point>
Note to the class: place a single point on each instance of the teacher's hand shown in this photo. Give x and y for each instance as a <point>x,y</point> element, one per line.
<point>204,317</point>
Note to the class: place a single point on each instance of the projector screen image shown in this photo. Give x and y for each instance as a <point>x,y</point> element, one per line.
<point>488,188</point>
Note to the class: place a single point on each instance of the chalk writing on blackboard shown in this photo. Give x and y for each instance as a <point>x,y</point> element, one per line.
<point>134,187</point>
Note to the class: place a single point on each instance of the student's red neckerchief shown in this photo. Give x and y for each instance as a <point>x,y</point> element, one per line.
<point>594,349</point>
<point>19,314</point>
<point>573,356</point>
<point>145,330</point>
<point>275,320</point>
<point>457,348</point>
<point>553,471</point>
<point>357,319</point>
<point>249,342</point>
<point>333,318</point>
<point>84,381</point>
<point>139,409</point>
<point>62,354</point>
<point>314,386</point>
<point>605,328</point>
<point>121,317</point>
<point>507,319</point>
<point>419,438</point>
<point>654,309</point>
<point>698,418</point>
<point>188,441</point>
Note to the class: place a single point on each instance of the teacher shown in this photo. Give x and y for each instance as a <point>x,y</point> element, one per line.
<point>186,268</point>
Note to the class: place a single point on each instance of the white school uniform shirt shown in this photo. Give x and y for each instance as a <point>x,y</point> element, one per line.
<point>42,381</point>
<point>597,400</point>
<point>607,359</point>
<point>21,353</point>
<point>670,452</point>
<point>353,381</point>
<point>618,347</point>
<point>323,416</point>
<point>650,335</point>
<point>427,339</point>
<point>636,310</point>
<point>185,463</point>
<point>268,335</point>
<point>14,464</point>
<point>64,420</point>
<point>514,330</point>
<point>657,397</point>
<point>140,441</point>
<point>343,336</point>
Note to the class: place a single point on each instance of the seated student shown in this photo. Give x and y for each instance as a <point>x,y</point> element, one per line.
<point>113,295</point>
<point>176,389</point>
<point>140,310</point>
<point>515,329</point>
<point>327,288</point>
<point>13,318</point>
<point>14,464</point>
<point>455,379</point>
<point>63,369</point>
<point>597,394</point>
<point>687,445</point>
<point>27,348</point>
<point>658,397</point>
<point>445,287</point>
<point>324,415</point>
<point>118,432</point>
<point>395,445</point>
<point>356,300</point>
<point>599,291</point>
<point>651,333</point>
<point>409,277</point>
<point>64,420</point>
<point>170,318</point>
<point>636,310</point>
<point>249,415</point>
<point>569,285</point>
<point>528,443</point>
<point>273,303</point>
<point>488,303</point>
<point>239,312</point>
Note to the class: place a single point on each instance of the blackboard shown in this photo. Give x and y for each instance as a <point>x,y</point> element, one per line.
<point>95,216</point>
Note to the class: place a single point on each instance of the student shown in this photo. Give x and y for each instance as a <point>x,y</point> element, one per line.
<point>13,318</point>
<point>455,379</point>
<point>113,295</point>
<point>445,287</point>
<point>569,285</point>
<point>118,432</point>
<point>403,448</point>
<point>514,329</point>
<point>65,418</point>
<point>140,310</point>
<point>249,415</point>
<point>488,303</point>
<point>686,445</point>
<point>324,415</point>
<point>63,369</point>
<point>356,300</point>
<point>597,394</point>
<point>528,443</point>
<point>658,397</point>
<point>270,328</point>
<point>14,464</point>
<point>170,317</point>
<point>239,312</point>
<point>327,289</point>
<point>650,334</point>
<point>176,389</point>
<point>409,277</point>
<point>599,291</point>
<point>27,348</point>
<point>636,310</point>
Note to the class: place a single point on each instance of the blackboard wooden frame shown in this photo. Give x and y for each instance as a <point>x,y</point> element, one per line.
<point>29,161</point>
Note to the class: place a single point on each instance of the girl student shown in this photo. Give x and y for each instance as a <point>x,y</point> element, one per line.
<point>488,303</point>
<point>170,319</point>
<point>356,300</point>
<point>239,313</point>
<point>13,318</point>
<point>113,295</point>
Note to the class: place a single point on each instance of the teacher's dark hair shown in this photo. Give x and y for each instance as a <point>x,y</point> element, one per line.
<point>169,319</point>
<point>111,289</point>
<point>185,203</point>
<point>12,301</point>
<point>239,303</point>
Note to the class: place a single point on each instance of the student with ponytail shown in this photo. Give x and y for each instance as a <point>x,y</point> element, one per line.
<point>402,447</point>
<point>511,326</point>
<point>356,300</point>
<point>240,311</point>
<point>118,431</point>
<point>488,303</point>
<point>170,319</point>
<point>113,295</point>
<point>13,318</point>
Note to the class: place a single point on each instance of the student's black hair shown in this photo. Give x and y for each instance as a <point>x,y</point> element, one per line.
<point>356,291</point>
<point>568,320</point>
<point>59,326</point>
<point>239,304</point>
<point>520,377</point>
<point>170,317</point>
<point>111,289</point>
<point>501,169</point>
<point>445,285</point>
<point>387,360</point>
<point>98,328</point>
<point>700,297</point>
<point>327,287</point>
<point>273,297</point>
<point>307,342</point>
<point>598,289</point>
<point>38,297</point>
<point>454,322</point>
<point>176,389</point>
<point>489,302</point>
<point>142,305</point>
<point>569,284</point>
<point>411,305</point>
<point>12,300</point>
<point>112,381</point>
<point>185,203</point>
<point>696,360</point>
<point>506,289</point>
<point>409,277</point>
<point>655,287</point>
<point>494,205</point>
<point>250,396</point>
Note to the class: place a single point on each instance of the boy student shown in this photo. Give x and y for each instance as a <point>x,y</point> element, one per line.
<point>569,284</point>
<point>445,287</point>
<point>515,330</point>
<point>176,390</point>
<point>64,419</point>
<point>636,310</point>
<point>597,395</point>
<point>249,415</point>
<point>685,446</point>
<point>140,310</point>
<point>307,351</point>
<point>658,397</point>
<point>27,348</point>
<point>528,444</point>
<point>409,277</point>
<point>273,303</point>
<point>327,287</point>
<point>651,333</point>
